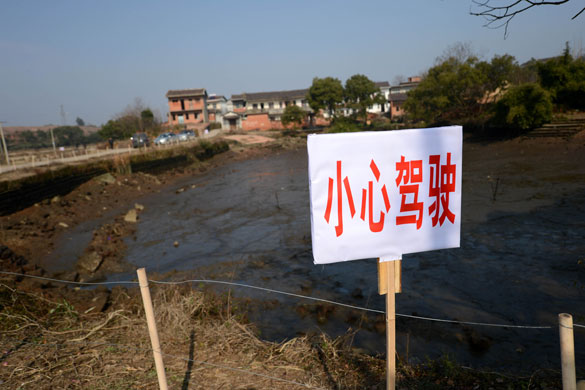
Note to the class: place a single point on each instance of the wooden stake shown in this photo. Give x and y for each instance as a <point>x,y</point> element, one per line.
<point>567,351</point>
<point>158,361</point>
<point>389,283</point>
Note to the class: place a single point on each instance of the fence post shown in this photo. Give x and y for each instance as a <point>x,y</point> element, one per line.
<point>567,351</point>
<point>158,361</point>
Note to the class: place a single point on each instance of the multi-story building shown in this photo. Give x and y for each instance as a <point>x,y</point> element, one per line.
<point>187,107</point>
<point>217,107</point>
<point>262,110</point>
<point>384,91</point>
<point>398,94</point>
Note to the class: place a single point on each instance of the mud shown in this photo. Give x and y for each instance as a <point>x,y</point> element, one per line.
<point>521,258</point>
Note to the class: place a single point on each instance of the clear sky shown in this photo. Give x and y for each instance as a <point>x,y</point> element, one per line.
<point>96,57</point>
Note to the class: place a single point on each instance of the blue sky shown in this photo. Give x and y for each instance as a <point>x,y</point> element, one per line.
<point>96,57</point>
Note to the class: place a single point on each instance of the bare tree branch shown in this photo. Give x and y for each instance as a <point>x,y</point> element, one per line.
<point>498,16</point>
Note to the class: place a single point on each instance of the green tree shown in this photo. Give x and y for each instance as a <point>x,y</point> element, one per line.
<point>564,78</point>
<point>360,93</point>
<point>450,91</point>
<point>68,135</point>
<point>524,107</point>
<point>120,128</point>
<point>147,118</point>
<point>79,121</point>
<point>325,94</point>
<point>293,114</point>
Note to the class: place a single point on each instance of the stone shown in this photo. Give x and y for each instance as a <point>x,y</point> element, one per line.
<point>90,261</point>
<point>63,225</point>
<point>581,385</point>
<point>106,178</point>
<point>56,199</point>
<point>131,216</point>
<point>138,206</point>
<point>176,244</point>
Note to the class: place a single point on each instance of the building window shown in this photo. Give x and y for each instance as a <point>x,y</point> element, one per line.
<point>304,102</point>
<point>261,106</point>
<point>186,116</point>
<point>271,105</point>
<point>174,100</point>
<point>254,106</point>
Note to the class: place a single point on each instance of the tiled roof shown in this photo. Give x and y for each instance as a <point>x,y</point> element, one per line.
<point>173,93</point>
<point>381,84</point>
<point>272,96</point>
<point>397,97</point>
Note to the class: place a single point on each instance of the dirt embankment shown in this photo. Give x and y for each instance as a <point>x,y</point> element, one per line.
<point>53,336</point>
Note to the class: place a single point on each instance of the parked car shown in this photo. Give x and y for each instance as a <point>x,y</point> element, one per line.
<point>139,140</point>
<point>186,135</point>
<point>165,139</point>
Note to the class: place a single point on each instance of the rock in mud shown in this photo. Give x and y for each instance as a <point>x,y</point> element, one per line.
<point>138,206</point>
<point>106,178</point>
<point>90,261</point>
<point>131,216</point>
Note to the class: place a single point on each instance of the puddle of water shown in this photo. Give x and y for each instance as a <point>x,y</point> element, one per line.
<point>518,263</point>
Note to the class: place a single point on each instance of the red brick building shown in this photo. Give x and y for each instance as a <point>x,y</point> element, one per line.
<point>187,107</point>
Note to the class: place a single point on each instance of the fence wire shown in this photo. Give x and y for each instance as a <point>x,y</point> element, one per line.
<point>269,290</point>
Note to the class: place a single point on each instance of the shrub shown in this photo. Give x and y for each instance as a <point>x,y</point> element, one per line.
<point>344,125</point>
<point>214,125</point>
<point>524,107</point>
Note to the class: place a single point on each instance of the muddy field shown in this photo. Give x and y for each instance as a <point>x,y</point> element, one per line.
<point>521,260</point>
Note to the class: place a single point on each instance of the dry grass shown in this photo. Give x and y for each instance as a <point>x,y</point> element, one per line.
<point>47,344</point>
<point>50,342</point>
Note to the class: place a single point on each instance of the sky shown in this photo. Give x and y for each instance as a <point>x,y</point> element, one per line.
<point>95,58</point>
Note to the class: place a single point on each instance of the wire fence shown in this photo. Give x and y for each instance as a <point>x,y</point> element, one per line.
<point>290,294</point>
<point>240,370</point>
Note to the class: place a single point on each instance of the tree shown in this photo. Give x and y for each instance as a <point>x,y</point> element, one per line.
<point>564,78</point>
<point>293,114</point>
<point>523,107</point>
<point>449,91</point>
<point>79,121</point>
<point>360,93</point>
<point>461,88</point>
<point>500,15</point>
<point>68,135</point>
<point>147,119</point>
<point>325,94</point>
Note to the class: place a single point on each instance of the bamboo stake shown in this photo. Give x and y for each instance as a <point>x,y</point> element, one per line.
<point>567,351</point>
<point>390,283</point>
<point>390,330</point>
<point>148,309</point>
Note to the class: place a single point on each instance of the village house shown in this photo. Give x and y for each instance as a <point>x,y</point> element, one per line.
<point>397,96</point>
<point>384,91</point>
<point>187,108</point>
<point>263,110</point>
<point>217,107</point>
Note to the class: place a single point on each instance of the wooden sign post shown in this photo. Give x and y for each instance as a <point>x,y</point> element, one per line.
<point>390,283</point>
<point>385,193</point>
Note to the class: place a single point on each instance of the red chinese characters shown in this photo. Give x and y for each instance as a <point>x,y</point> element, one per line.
<point>441,185</point>
<point>410,173</point>
<point>408,183</point>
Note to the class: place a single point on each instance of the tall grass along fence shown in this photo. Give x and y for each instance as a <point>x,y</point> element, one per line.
<point>565,325</point>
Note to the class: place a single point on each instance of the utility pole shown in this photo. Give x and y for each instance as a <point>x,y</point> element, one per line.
<point>4,144</point>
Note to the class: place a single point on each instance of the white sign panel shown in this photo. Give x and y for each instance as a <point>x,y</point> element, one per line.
<point>385,193</point>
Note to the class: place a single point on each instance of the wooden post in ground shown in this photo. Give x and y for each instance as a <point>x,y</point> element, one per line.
<point>158,361</point>
<point>390,283</point>
<point>567,351</point>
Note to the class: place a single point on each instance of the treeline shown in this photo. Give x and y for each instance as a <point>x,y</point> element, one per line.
<point>499,95</point>
<point>63,136</point>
